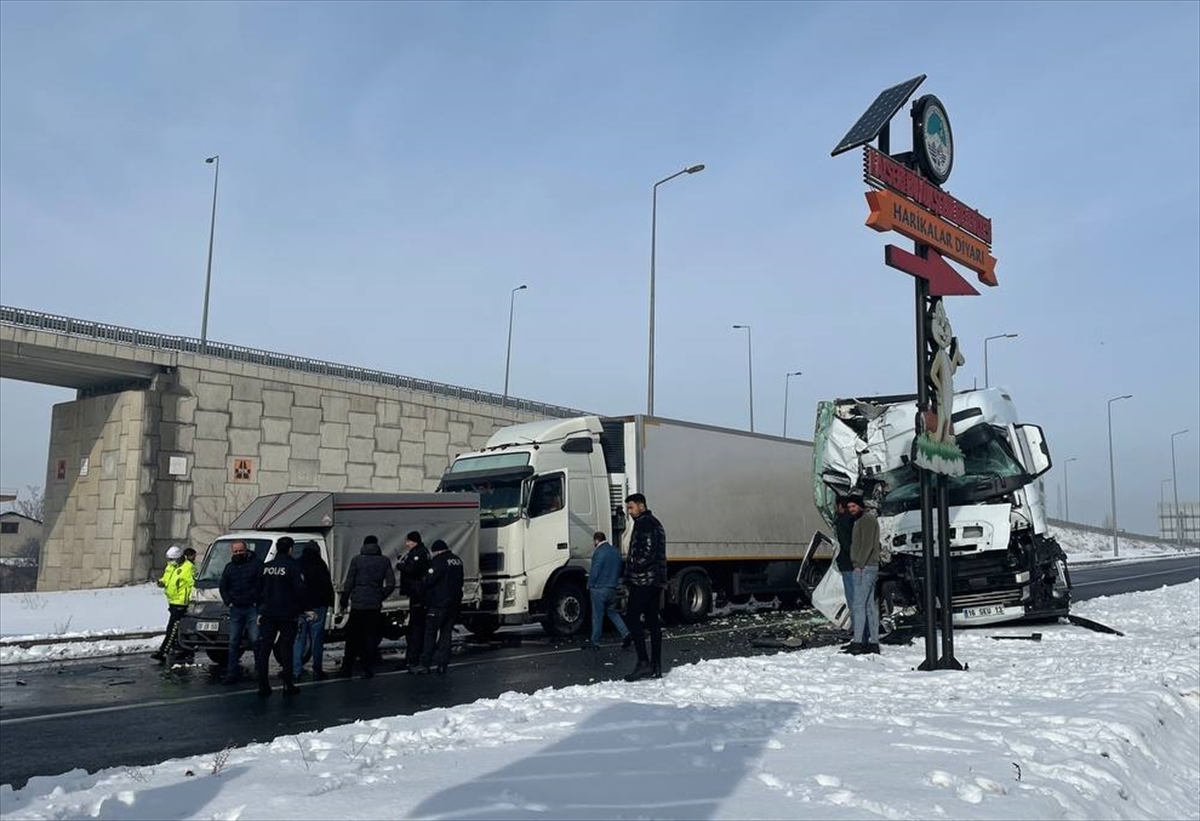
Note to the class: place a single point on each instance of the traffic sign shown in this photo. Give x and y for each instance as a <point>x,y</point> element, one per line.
<point>943,279</point>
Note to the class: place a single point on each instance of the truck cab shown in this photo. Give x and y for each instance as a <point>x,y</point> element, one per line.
<point>544,489</point>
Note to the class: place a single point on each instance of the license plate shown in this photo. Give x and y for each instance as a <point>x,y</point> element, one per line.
<point>208,626</point>
<point>983,612</point>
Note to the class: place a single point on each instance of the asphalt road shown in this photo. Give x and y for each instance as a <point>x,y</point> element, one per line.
<point>127,711</point>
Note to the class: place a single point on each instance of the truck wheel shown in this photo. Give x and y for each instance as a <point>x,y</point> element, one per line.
<point>567,613</point>
<point>695,597</point>
<point>482,627</point>
<point>218,657</point>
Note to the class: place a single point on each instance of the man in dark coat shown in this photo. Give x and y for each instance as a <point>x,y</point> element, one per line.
<point>239,592</point>
<point>414,567</point>
<point>443,596</point>
<point>280,591</point>
<point>646,576</point>
<point>318,598</point>
<point>369,580</point>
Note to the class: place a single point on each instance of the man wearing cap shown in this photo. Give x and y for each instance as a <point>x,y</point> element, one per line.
<point>414,567</point>
<point>177,581</point>
<point>443,595</point>
<point>864,554</point>
<point>369,580</point>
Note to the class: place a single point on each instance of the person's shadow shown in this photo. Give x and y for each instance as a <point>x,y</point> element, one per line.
<point>627,761</point>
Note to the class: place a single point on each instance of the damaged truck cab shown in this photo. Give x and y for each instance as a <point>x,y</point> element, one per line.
<point>1005,565</point>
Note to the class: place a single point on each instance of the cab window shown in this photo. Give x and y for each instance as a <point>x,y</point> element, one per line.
<point>546,496</point>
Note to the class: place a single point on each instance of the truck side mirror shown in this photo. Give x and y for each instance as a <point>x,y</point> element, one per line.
<point>1035,450</point>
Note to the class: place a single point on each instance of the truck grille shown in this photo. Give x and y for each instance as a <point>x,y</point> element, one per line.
<point>491,562</point>
<point>1006,598</point>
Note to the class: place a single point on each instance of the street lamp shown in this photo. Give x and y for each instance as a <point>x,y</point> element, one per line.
<point>215,162</point>
<point>786,385</point>
<point>986,383</point>
<point>1067,485</point>
<point>1162,504</point>
<point>750,368</point>
<point>691,169</point>
<point>1175,488</point>
<point>512,297</point>
<point>1112,474</point>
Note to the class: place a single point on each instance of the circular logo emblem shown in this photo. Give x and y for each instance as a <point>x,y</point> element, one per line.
<point>935,141</point>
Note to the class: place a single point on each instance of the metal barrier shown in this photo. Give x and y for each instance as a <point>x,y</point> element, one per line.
<point>37,320</point>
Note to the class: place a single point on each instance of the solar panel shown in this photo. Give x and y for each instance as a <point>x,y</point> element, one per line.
<point>877,116</point>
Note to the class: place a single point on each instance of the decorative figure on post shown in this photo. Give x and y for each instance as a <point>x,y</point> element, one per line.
<point>937,450</point>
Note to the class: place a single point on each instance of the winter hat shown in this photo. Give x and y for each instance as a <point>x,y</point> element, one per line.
<point>413,536</point>
<point>174,552</point>
<point>370,540</point>
<point>437,545</point>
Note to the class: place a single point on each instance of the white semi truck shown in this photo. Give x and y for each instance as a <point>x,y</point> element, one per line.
<point>1005,565</point>
<point>737,508</point>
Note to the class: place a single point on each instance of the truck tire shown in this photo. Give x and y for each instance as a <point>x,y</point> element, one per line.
<point>568,609</point>
<point>694,601</point>
<point>482,627</point>
<point>218,657</point>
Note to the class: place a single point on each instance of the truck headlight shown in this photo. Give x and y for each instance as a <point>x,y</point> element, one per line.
<point>1023,577</point>
<point>510,593</point>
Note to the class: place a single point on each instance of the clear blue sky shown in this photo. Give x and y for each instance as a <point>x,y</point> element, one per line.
<point>389,171</point>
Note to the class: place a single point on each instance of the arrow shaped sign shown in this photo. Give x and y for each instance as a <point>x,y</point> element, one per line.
<point>943,279</point>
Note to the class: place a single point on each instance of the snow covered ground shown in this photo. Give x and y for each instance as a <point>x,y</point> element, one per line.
<point>1079,725</point>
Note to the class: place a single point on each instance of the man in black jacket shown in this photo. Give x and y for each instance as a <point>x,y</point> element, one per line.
<point>443,596</point>
<point>239,592</point>
<point>369,580</point>
<point>414,567</point>
<point>318,598</point>
<point>280,590</point>
<point>646,576</point>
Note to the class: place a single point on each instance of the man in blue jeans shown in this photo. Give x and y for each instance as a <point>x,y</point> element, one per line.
<point>239,592</point>
<point>315,603</point>
<point>602,583</point>
<point>864,553</point>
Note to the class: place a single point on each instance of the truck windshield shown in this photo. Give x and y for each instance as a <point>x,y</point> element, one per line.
<point>218,556</point>
<point>991,471</point>
<point>499,496</point>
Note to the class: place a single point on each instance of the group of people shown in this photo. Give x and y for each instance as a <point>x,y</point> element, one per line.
<point>858,562</point>
<point>645,575</point>
<point>283,604</point>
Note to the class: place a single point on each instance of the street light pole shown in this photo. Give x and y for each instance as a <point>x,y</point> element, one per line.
<point>786,385</point>
<point>1175,489</point>
<point>750,368</point>
<point>512,297</point>
<point>1067,485</point>
<point>1162,503</point>
<point>1112,473</point>
<point>986,340</point>
<point>691,169</point>
<point>215,161</point>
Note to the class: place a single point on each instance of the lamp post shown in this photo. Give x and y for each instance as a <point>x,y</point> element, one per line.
<point>1112,474</point>
<point>691,169</point>
<point>1162,503</point>
<point>750,367</point>
<point>1067,485</point>
<point>986,340</point>
<point>215,162</point>
<point>512,297</point>
<point>786,385</point>
<point>1175,489</point>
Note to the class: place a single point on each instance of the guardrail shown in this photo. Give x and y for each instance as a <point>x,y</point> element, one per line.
<point>36,320</point>
<point>1107,531</point>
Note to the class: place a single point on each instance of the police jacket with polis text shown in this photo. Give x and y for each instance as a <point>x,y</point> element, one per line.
<point>280,589</point>
<point>444,583</point>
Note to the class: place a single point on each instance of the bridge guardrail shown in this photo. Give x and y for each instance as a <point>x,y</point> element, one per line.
<point>38,320</point>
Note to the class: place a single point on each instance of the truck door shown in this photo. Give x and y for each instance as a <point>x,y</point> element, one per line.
<point>547,534</point>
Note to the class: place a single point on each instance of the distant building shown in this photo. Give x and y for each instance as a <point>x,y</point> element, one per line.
<point>15,531</point>
<point>1185,521</point>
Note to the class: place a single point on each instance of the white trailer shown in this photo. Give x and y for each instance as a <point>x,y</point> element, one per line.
<point>737,508</point>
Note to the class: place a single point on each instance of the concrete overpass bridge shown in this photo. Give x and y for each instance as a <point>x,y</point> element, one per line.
<point>166,442</point>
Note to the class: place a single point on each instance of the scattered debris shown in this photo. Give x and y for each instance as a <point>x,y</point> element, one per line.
<point>1030,637</point>
<point>1080,621</point>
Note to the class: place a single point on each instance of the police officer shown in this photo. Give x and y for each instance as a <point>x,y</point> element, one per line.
<point>443,597</point>
<point>280,595</point>
<point>414,567</point>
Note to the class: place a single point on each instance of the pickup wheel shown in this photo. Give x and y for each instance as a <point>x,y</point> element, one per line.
<point>695,597</point>
<point>567,612</point>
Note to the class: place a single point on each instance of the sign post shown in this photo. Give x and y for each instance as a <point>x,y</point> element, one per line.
<point>906,197</point>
